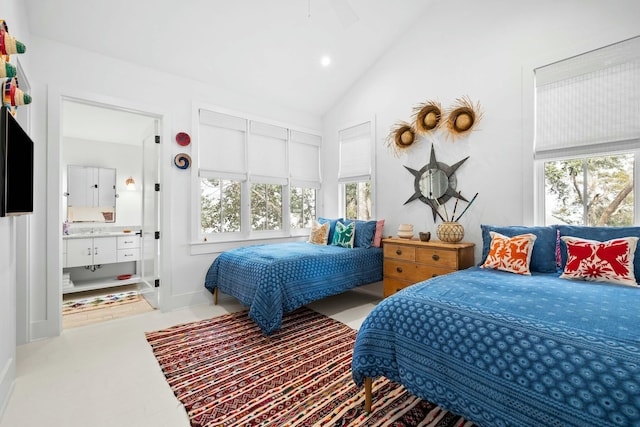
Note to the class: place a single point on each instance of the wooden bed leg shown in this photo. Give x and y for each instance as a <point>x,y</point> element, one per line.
<point>215,296</point>
<point>367,395</point>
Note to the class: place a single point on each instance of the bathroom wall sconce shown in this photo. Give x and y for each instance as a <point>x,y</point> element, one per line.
<point>130,183</point>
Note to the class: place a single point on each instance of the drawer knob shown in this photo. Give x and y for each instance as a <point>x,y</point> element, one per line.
<point>435,257</point>
<point>399,269</point>
<point>398,252</point>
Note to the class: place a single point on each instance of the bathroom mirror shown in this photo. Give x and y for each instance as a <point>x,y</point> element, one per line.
<point>91,194</point>
<point>435,183</point>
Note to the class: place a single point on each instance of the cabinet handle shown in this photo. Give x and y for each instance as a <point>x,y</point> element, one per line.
<point>88,251</point>
<point>96,251</point>
<point>399,269</point>
<point>128,241</point>
<point>435,257</point>
<point>398,252</point>
<point>434,275</point>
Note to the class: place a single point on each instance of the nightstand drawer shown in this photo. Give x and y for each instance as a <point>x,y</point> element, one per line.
<point>412,272</point>
<point>407,253</point>
<point>437,257</point>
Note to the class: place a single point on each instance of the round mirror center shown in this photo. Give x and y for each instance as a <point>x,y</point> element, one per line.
<point>434,183</point>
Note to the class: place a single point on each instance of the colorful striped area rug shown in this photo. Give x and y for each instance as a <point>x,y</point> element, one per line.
<point>225,374</point>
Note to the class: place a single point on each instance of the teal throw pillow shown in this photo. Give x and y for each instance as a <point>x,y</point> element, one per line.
<point>344,234</point>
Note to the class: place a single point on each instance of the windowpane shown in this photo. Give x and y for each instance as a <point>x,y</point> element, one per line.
<point>219,206</point>
<point>358,200</point>
<point>266,206</point>
<point>303,207</point>
<point>595,191</point>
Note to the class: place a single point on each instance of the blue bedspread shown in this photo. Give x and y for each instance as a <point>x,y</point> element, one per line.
<point>504,349</point>
<point>278,278</point>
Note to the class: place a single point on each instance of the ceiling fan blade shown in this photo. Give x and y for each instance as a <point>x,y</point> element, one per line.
<point>344,12</point>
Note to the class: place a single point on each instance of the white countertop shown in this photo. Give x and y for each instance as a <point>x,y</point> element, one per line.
<point>98,233</point>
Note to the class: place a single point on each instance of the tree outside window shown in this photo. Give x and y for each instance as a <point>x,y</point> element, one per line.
<point>266,206</point>
<point>358,200</point>
<point>594,191</point>
<point>303,207</point>
<point>219,206</point>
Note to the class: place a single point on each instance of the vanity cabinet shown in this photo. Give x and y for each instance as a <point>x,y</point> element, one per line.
<point>89,186</point>
<point>128,248</point>
<point>102,261</point>
<point>91,251</point>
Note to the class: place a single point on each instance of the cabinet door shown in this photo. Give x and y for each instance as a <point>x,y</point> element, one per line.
<point>106,187</point>
<point>104,250</point>
<point>80,185</point>
<point>79,252</point>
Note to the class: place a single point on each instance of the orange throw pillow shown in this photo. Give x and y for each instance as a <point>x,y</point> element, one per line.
<point>610,261</point>
<point>319,233</point>
<point>512,254</point>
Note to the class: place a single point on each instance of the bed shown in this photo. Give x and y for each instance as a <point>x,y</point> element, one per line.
<point>278,278</point>
<point>508,349</point>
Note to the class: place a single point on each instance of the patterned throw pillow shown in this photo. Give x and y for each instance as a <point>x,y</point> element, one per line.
<point>610,261</point>
<point>344,234</point>
<point>512,254</point>
<point>319,233</point>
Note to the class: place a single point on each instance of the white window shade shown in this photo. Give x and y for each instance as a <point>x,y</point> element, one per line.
<point>268,150</point>
<point>355,153</point>
<point>590,99</point>
<point>221,144</point>
<point>304,159</point>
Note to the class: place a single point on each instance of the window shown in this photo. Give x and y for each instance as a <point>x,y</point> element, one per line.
<point>266,206</point>
<point>303,207</point>
<point>254,177</point>
<point>220,203</point>
<point>587,136</point>
<point>593,191</point>
<point>355,170</point>
<point>358,200</point>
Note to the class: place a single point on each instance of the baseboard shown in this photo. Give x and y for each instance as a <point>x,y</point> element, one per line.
<point>7,382</point>
<point>188,299</point>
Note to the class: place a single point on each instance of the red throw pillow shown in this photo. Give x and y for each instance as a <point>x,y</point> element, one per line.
<point>610,261</point>
<point>512,254</point>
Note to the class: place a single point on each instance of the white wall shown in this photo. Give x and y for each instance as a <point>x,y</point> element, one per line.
<point>63,69</point>
<point>14,13</point>
<point>479,49</point>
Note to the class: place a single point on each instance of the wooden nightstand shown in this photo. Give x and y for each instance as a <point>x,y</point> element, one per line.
<point>411,261</point>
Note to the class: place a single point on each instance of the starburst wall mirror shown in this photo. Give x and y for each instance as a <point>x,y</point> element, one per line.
<point>435,183</point>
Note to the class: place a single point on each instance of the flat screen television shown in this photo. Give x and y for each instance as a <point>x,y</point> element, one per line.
<point>16,167</point>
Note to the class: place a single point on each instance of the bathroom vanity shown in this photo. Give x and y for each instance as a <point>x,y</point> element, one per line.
<point>101,259</point>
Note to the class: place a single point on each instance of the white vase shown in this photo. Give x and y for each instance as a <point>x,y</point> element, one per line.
<point>405,231</point>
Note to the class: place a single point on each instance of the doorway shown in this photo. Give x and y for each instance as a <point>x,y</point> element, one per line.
<point>109,166</point>
<point>47,322</point>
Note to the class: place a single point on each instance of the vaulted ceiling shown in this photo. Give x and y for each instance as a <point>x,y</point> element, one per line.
<point>268,49</point>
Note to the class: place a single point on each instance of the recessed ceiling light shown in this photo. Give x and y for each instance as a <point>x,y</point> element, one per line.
<point>325,61</point>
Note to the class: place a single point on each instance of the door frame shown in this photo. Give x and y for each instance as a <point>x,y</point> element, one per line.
<point>51,323</point>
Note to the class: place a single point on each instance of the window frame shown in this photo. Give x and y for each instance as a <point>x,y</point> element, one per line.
<point>533,162</point>
<point>351,179</point>
<point>198,239</point>
<point>585,154</point>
